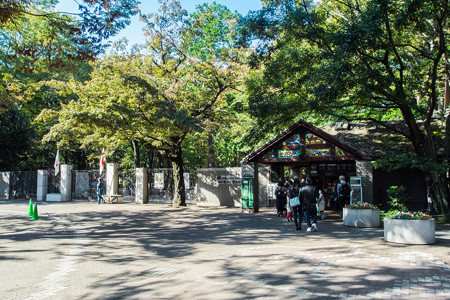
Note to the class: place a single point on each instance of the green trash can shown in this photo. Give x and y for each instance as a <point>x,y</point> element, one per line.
<point>247,193</point>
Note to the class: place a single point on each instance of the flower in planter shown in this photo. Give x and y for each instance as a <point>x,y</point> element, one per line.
<point>417,215</point>
<point>360,206</point>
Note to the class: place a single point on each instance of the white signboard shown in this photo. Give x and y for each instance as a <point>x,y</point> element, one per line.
<point>159,181</point>
<point>356,186</point>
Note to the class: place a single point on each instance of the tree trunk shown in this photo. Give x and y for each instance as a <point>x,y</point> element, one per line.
<point>211,160</point>
<point>440,191</point>
<point>424,147</point>
<point>159,160</point>
<point>137,159</point>
<point>151,155</point>
<point>179,196</point>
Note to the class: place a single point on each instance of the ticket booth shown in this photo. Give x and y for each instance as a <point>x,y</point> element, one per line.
<point>308,151</point>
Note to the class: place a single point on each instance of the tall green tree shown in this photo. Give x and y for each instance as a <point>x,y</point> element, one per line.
<point>162,98</point>
<point>362,60</point>
<point>38,44</point>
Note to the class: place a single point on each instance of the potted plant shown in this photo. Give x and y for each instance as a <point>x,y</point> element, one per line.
<point>403,226</point>
<point>409,228</point>
<point>361,215</point>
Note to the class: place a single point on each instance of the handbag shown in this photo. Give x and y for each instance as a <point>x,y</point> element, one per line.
<point>295,201</point>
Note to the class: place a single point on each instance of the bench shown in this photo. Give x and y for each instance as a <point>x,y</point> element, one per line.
<point>111,198</point>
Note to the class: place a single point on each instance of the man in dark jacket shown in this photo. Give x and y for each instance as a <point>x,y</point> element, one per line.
<point>343,191</point>
<point>309,195</point>
<point>280,196</point>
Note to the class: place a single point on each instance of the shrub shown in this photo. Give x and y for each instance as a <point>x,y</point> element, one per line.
<point>360,206</point>
<point>417,215</point>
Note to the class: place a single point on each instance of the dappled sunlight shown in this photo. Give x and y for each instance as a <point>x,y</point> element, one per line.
<point>159,251</point>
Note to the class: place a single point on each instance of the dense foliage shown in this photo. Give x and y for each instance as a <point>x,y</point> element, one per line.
<point>163,98</point>
<point>39,44</point>
<point>372,60</point>
<point>181,97</point>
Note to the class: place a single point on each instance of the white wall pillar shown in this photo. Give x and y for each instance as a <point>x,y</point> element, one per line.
<point>365,170</point>
<point>5,178</point>
<point>42,185</point>
<point>112,178</point>
<point>263,182</point>
<point>141,192</point>
<point>256,188</point>
<point>66,183</point>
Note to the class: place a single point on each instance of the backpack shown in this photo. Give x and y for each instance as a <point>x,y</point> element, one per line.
<point>279,194</point>
<point>345,190</point>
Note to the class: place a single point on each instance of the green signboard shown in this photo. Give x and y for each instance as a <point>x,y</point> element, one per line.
<point>286,153</point>
<point>247,192</point>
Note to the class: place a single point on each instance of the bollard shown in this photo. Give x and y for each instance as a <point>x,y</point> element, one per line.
<point>35,213</point>
<point>30,209</point>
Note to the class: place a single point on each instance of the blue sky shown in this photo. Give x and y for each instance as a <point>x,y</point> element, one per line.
<point>134,31</point>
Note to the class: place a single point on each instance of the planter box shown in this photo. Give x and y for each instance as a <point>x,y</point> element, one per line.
<point>53,197</point>
<point>361,217</point>
<point>409,231</point>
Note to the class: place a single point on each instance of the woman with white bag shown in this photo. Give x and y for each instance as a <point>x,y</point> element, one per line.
<point>294,202</point>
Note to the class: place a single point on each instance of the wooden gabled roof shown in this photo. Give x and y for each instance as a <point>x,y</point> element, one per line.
<point>256,155</point>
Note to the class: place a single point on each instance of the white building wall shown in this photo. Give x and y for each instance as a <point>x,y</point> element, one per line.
<point>223,186</point>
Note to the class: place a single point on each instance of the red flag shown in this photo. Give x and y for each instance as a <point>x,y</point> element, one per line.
<point>57,163</point>
<point>102,163</point>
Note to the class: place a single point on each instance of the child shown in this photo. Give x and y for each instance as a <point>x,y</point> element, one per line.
<point>289,212</point>
<point>321,204</point>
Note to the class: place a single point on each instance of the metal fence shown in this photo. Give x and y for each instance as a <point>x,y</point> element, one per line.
<point>127,182</point>
<point>23,184</point>
<point>53,182</point>
<point>84,184</point>
<point>161,186</point>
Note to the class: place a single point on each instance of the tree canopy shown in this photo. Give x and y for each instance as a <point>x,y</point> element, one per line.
<point>162,98</point>
<point>369,60</point>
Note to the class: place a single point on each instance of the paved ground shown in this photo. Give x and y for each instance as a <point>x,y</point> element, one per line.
<point>114,251</point>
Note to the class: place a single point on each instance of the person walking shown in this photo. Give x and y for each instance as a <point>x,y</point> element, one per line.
<point>309,195</point>
<point>321,204</point>
<point>100,190</point>
<point>280,196</point>
<point>302,182</point>
<point>335,197</point>
<point>343,191</point>
<point>297,210</point>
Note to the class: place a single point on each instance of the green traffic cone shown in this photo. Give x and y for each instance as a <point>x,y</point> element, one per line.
<point>30,210</point>
<point>35,213</point>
